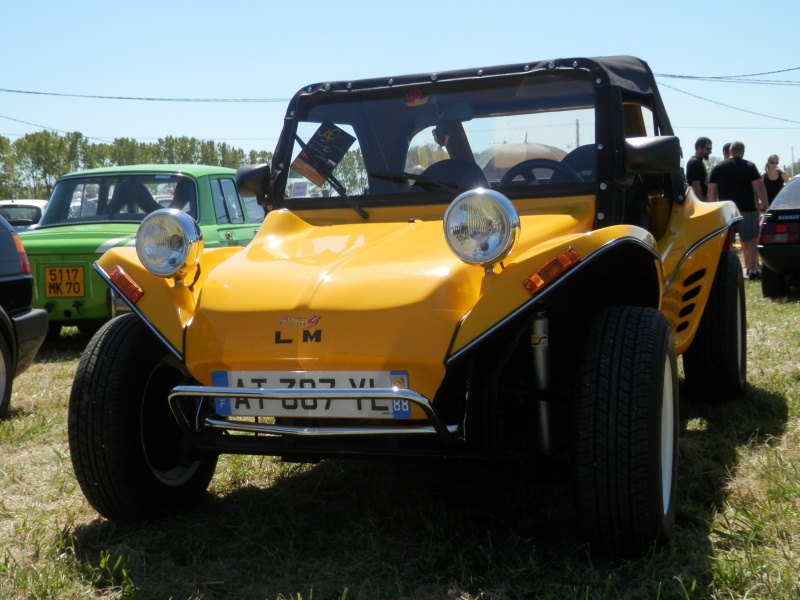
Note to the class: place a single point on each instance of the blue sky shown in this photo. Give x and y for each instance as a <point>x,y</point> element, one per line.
<point>269,49</point>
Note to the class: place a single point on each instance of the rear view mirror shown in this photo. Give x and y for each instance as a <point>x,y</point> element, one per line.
<point>254,179</point>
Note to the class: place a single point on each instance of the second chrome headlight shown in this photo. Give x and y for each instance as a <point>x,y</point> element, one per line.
<point>169,243</point>
<point>481,227</point>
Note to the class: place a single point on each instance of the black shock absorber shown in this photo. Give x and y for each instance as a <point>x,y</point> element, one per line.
<point>540,354</point>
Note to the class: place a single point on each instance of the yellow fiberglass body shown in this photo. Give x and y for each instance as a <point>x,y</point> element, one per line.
<point>324,293</point>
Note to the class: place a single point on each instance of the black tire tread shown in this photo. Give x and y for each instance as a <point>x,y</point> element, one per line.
<point>616,452</point>
<point>105,446</point>
<point>772,286</point>
<point>712,363</point>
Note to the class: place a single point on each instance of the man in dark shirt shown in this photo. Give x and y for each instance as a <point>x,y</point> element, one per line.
<point>696,175</point>
<point>736,179</point>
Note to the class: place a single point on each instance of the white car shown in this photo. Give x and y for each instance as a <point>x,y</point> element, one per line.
<point>22,214</point>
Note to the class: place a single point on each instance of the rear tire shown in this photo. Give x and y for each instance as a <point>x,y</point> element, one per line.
<point>772,285</point>
<point>131,460</point>
<point>6,377</point>
<point>627,432</point>
<point>715,365</point>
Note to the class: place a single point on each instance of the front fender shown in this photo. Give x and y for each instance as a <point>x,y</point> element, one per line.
<point>166,305</point>
<point>605,251</point>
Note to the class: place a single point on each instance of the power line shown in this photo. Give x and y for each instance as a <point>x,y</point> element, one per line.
<point>726,77</point>
<point>719,78</point>
<point>145,99</point>
<point>729,106</point>
<point>49,128</point>
<point>744,78</point>
<point>108,140</point>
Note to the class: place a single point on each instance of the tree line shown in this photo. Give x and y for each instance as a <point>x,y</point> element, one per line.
<point>31,164</point>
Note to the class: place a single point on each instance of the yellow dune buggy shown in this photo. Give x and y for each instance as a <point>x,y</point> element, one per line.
<point>496,264</point>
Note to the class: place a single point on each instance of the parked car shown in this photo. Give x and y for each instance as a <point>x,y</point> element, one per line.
<point>415,302</point>
<point>22,328</point>
<point>779,243</point>
<point>22,214</point>
<point>91,211</point>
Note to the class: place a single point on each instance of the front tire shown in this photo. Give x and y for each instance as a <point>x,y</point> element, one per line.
<point>715,365</point>
<point>130,458</point>
<point>627,432</point>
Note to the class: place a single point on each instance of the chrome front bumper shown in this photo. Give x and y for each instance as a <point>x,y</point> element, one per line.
<point>198,398</point>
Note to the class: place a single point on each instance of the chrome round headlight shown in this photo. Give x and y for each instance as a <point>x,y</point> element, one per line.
<point>169,242</point>
<point>481,227</point>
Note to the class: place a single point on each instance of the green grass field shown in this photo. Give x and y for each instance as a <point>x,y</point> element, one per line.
<point>347,530</point>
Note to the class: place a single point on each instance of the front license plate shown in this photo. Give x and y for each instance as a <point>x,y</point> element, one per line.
<point>64,282</point>
<point>359,408</point>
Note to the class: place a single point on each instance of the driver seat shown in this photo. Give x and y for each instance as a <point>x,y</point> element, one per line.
<point>129,195</point>
<point>582,159</point>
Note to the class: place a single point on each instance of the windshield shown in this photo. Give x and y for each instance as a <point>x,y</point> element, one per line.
<point>789,197</point>
<point>517,131</point>
<point>118,197</point>
<point>21,214</point>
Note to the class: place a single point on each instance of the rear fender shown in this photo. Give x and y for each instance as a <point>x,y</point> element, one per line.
<point>690,248</point>
<point>166,305</point>
<point>688,286</point>
<point>616,265</point>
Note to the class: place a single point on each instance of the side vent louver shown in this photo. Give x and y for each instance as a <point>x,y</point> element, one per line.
<point>692,286</point>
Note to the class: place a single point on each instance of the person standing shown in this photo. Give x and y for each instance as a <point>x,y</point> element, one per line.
<point>736,179</point>
<point>726,150</point>
<point>774,178</point>
<point>696,174</point>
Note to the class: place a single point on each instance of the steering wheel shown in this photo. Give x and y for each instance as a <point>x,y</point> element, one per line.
<point>526,168</point>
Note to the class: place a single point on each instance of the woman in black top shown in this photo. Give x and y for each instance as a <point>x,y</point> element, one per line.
<point>774,178</point>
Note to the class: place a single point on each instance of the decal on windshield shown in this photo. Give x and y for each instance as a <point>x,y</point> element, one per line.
<point>322,153</point>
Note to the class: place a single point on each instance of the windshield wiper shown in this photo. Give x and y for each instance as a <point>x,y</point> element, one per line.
<point>426,183</point>
<point>334,183</point>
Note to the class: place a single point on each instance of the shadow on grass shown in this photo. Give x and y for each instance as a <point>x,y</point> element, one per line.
<point>386,530</point>
<point>423,530</point>
<point>711,437</point>
<point>713,432</point>
<point>63,348</point>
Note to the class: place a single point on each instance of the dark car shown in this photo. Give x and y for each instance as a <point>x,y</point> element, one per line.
<point>779,243</point>
<point>22,328</point>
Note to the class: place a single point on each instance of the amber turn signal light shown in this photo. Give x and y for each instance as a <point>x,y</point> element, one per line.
<point>125,284</point>
<point>552,269</point>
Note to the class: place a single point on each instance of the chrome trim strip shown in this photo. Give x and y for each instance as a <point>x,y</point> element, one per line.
<point>446,432</point>
<point>262,428</point>
<point>138,313</point>
<point>694,247</point>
